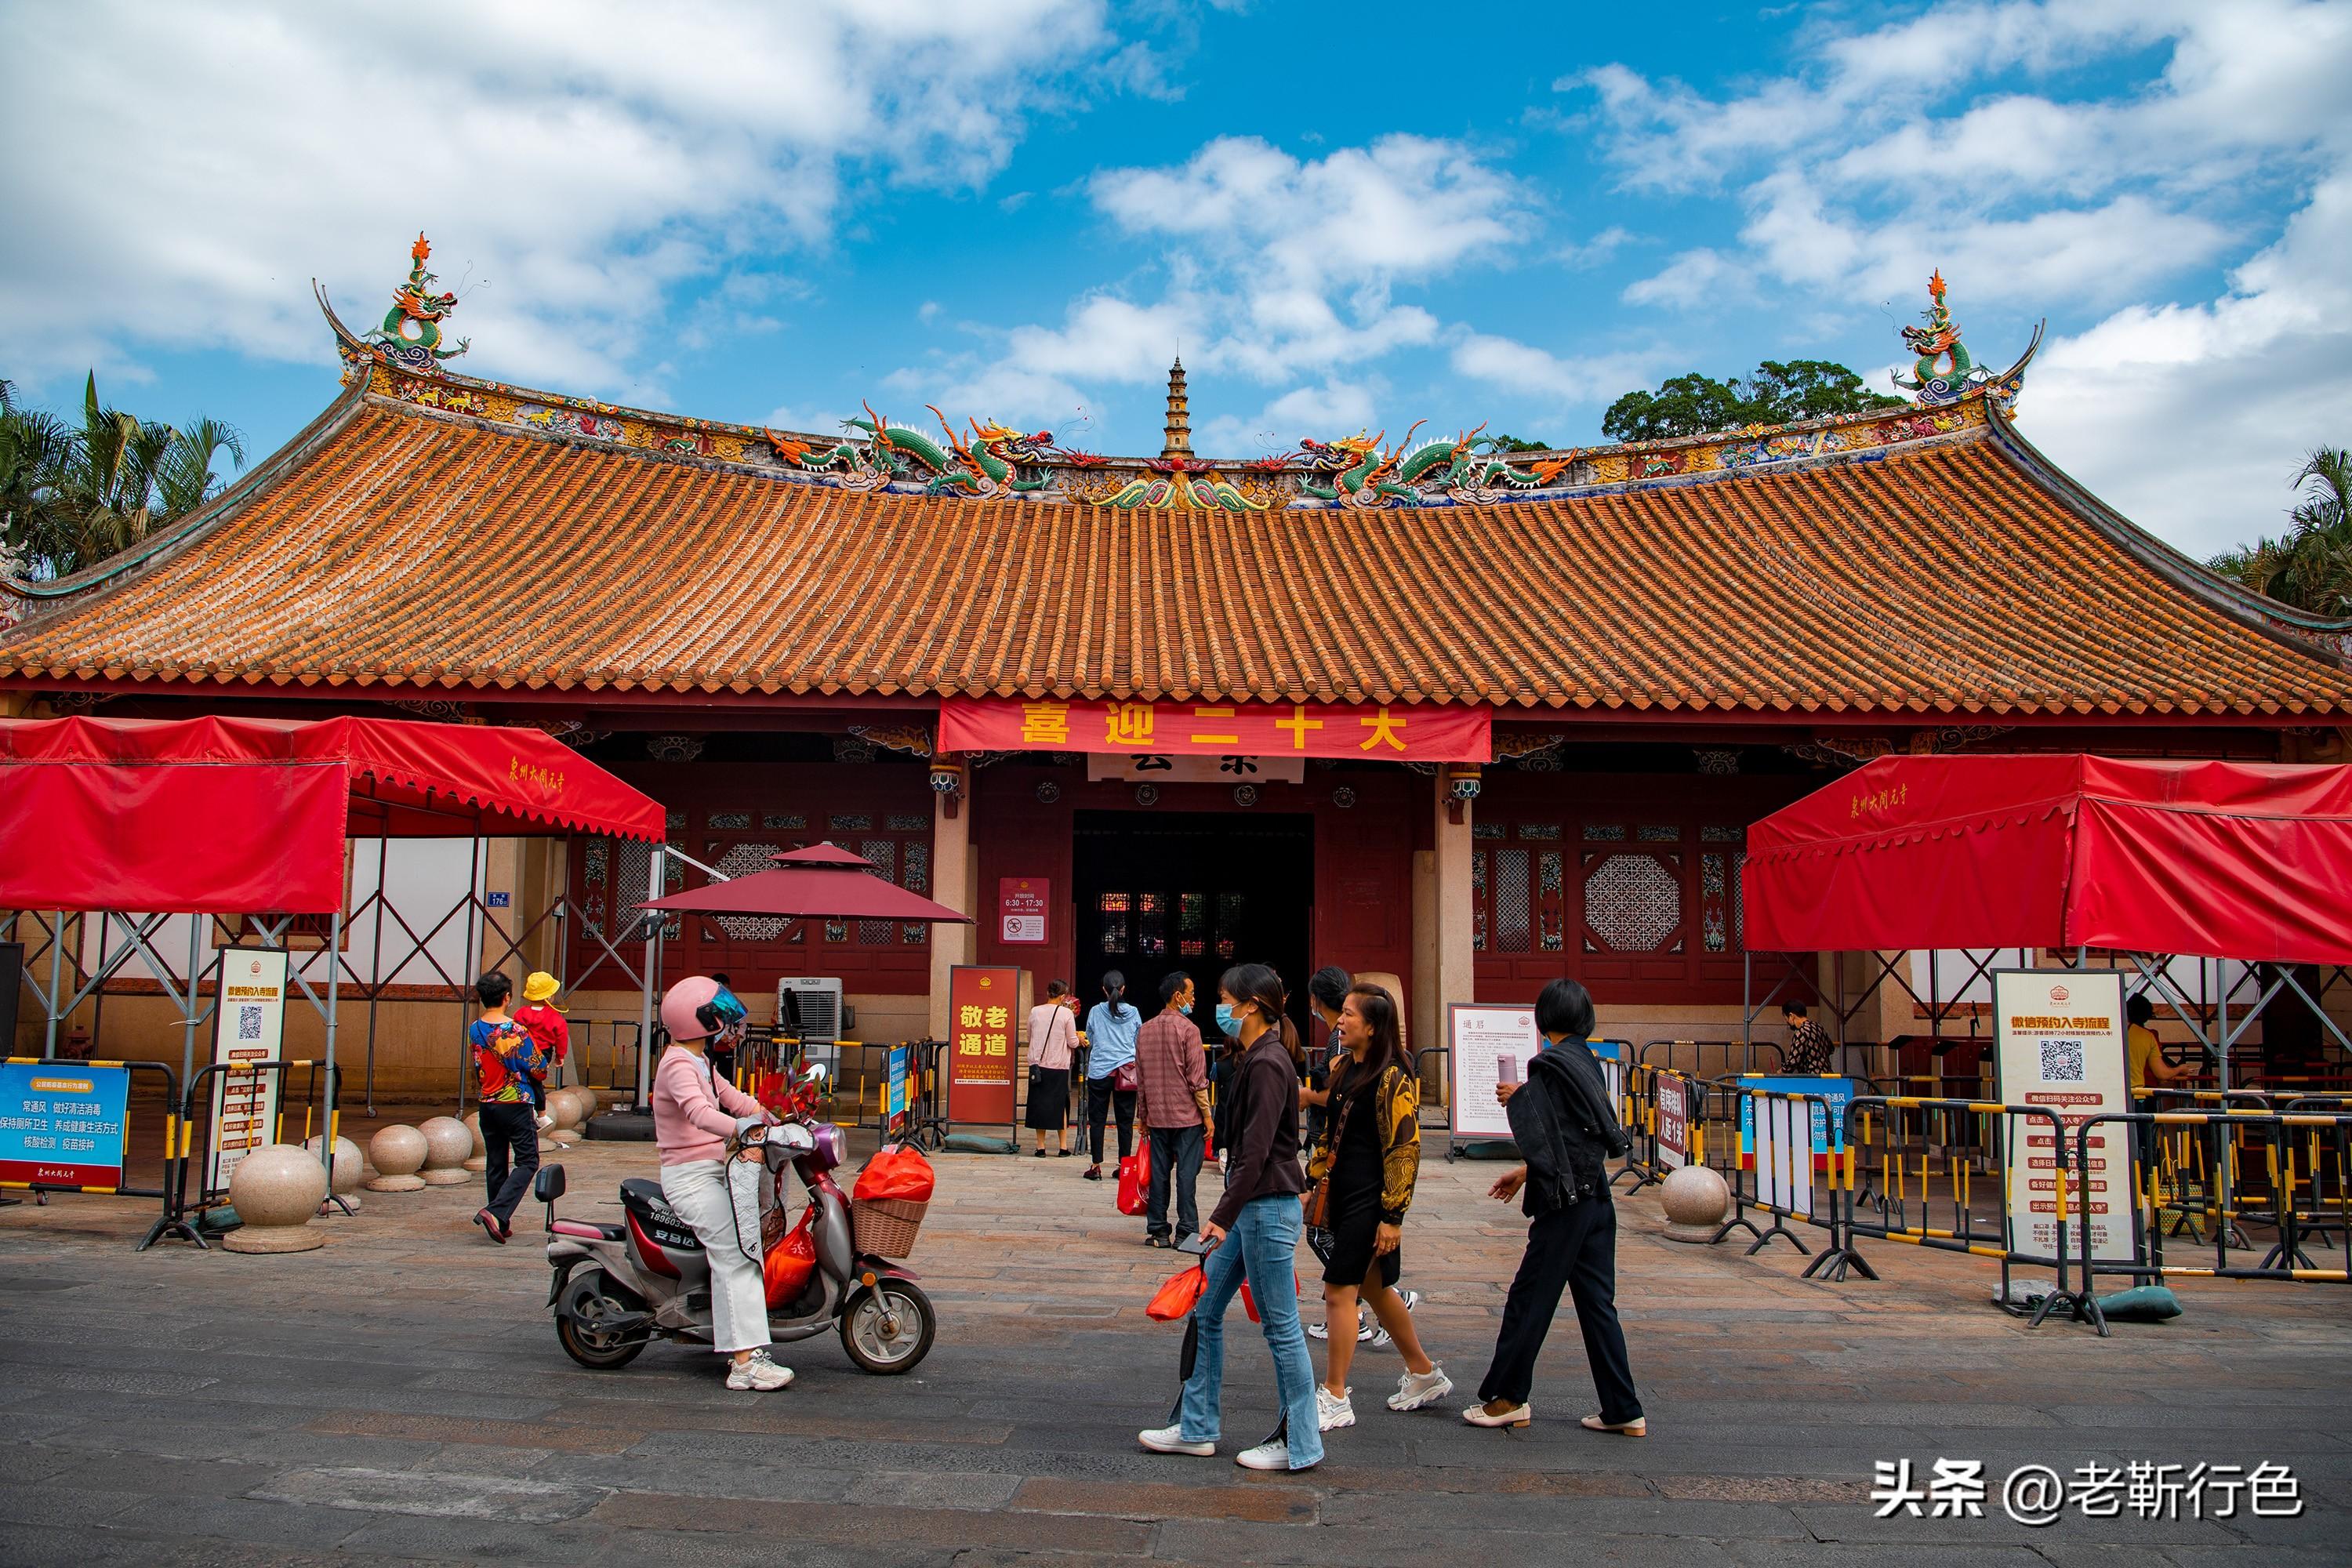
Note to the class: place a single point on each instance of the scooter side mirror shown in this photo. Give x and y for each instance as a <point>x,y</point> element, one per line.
<point>548,1185</point>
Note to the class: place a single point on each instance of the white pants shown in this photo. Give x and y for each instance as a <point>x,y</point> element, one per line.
<point>739,1290</point>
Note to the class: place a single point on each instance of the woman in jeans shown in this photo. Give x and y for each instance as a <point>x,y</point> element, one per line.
<point>1253,1234</point>
<point>1565,1126</point>
<point>1110,1069</point>
<point>1370,1149</point>
<point>696,1116</point>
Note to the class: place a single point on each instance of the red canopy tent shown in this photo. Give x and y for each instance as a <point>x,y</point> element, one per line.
<point>137,819</point>
<point>234,816</point>
<point>822,881</point>
<point>2242,860</point>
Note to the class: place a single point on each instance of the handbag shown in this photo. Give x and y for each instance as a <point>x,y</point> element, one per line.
<point>1318,1212</point>
<point>1174,1300</point>
<point>1124,1078</point>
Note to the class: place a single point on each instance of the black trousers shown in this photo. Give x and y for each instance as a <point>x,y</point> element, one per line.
<point>510,1144</point>
<point>1100,1100</point>
<point>1175,1163</point>
<point>1574,1249</point>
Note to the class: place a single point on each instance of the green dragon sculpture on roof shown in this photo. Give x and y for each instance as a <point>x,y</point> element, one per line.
<point>1944,371</point>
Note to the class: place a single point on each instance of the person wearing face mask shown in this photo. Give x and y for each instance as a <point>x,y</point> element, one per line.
<point>1173,1102</point>
<point>1110,1069</point>
<point>1253,1234</point>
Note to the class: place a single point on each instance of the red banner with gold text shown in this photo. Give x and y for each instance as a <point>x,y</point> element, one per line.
<point>1399,732</point>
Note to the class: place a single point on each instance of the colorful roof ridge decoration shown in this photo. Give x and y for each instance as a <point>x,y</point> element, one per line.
<point>1945,372</point>
<point>995,462</point>
<point>1920,563</point>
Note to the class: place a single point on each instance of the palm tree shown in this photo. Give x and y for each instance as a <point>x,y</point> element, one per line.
<point>2308,567</point>
<point>74,496</point>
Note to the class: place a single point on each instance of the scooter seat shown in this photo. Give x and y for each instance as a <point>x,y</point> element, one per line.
<point>645,1199</point>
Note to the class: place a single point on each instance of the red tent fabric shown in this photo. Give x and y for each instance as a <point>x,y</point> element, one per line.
<point>231,815</point>
<point>2242,860</point>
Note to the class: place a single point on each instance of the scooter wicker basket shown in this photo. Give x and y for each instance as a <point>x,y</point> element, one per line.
<point>886,1226</point>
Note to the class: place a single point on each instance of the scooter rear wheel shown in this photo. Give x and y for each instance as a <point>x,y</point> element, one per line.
<point>584,1343</point>
<point>887,1331</point>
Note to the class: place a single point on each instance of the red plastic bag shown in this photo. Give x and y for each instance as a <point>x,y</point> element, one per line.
<point>1175,1299</point>
<point>1135,1180</point>
<point>1249,1302</point>
<point>790,1262</point>
<point>895,1172</point>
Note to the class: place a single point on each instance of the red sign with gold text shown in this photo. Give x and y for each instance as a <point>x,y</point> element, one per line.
<point>980,1034</point>
<point>1397,731</point>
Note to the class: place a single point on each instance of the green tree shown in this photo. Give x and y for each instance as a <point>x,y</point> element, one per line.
<point>1513,444</point>
<point>2308,567</point>
<point>1776,394</point>
<point>72,496</point>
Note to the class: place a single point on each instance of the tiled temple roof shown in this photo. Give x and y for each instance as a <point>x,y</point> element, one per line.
<point>1861,565</point>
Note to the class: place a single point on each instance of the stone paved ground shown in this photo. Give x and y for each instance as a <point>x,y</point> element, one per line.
<point>401,1394</point>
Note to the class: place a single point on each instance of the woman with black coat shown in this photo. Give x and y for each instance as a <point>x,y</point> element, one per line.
<point>1566,1128</point>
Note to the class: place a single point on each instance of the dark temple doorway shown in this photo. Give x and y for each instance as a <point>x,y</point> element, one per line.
<point>1192,891</point>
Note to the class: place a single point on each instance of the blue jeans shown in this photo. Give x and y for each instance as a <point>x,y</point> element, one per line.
<point>1264,1244</point>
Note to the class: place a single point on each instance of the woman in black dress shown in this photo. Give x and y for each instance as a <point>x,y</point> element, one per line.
<point>1370,1149</point>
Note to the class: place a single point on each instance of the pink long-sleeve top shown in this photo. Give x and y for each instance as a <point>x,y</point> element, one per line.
<point>694,1112</point>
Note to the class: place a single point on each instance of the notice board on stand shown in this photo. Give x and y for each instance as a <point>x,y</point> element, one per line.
<point>2060,1032</point>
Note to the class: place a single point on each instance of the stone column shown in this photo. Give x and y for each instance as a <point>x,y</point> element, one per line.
<point>1455,982</point>
<point>951,884</point>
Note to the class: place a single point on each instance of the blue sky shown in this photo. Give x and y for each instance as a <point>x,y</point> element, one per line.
<point>1345,215</point>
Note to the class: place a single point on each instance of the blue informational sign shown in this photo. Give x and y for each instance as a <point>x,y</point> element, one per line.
<point>62,1123</point>
<point>1833,1095</point>
<point>894,1091</point>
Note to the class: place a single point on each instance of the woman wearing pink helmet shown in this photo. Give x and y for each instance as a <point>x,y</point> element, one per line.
<point>694,1115</point>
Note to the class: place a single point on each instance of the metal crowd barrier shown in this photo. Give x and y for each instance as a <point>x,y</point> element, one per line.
<point>2307,1165</point>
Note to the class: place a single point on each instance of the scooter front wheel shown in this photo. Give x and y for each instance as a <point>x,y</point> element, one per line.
<point>887,1330</point>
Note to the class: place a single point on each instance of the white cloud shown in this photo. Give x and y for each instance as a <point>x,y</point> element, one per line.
<point>1961,136</point>
<point>1325,411</point>
<point>1532,372</point>
<point>583,158</point>
<point>2189,418</point>
<point>1278,269</point>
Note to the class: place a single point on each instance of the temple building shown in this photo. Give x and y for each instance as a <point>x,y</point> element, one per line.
<point>1465,716</point>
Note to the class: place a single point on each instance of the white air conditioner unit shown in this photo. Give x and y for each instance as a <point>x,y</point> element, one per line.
<point>810,1008</point>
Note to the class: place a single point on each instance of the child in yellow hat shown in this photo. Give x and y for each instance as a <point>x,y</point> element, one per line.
<point>543,1020</point>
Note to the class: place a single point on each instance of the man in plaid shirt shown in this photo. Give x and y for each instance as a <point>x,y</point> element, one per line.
<point>1172,1073</point>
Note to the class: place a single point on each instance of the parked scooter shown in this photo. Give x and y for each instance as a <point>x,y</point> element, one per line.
<point>619,1287</point>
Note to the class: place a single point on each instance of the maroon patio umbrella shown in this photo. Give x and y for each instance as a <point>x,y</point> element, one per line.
<point>821,882</point>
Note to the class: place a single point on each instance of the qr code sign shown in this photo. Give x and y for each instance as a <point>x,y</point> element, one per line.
<point>2062,1061</point>
<point>248,1022</point>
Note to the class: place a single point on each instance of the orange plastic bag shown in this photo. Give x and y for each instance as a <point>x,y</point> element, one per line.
<point>1175,1299</point>
<point>790,1263</point>
<point>895,1172</point>
<point>1135,1180</point>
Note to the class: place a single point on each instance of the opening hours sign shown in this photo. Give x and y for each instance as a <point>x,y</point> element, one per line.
<point>1397,731</point>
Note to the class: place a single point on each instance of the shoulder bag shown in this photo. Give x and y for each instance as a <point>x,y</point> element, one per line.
<point>1318,1213</point>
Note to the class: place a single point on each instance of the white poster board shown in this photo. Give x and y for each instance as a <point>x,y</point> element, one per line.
<point>1784,1154</point>
<point>2060,1034</point>
<point>1479,1039</point>
<point>248,1026</point>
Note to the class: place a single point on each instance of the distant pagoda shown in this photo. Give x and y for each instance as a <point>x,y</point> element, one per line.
<point>1179,429</point>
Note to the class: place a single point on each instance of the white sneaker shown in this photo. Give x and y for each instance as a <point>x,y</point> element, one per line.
<point>1417,1389</point>
<point>1379,1338</point>
<point>759,1374</point>
<point>1170,1440</point>
<point>1271,1455</point>
<point>1333,1411</point>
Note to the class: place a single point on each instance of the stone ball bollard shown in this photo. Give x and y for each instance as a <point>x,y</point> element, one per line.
<point>1695,1200</point>
<point>276,1190</point>
<point>480,1160</point>
<point>563,1105</point>
<point>398,1153</point>
<point>447,1142</point>
<point>345,1180</point>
